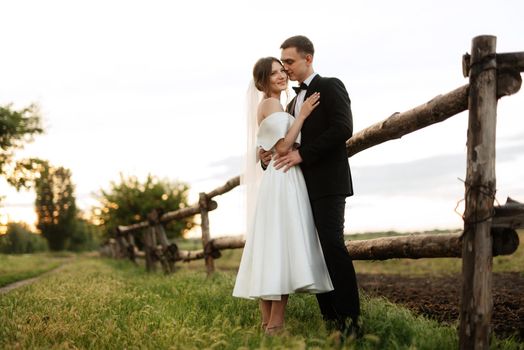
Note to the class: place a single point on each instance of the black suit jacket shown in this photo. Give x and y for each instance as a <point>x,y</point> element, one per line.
<point>324,133</point>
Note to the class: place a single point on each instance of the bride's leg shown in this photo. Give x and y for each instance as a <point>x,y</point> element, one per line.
<point>276,321</point>
<point>265,310</point>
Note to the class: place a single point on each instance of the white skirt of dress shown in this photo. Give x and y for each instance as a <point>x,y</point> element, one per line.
<point>282,254</point>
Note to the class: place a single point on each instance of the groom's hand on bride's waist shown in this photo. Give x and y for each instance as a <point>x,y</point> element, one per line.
<point>291,159</point>
<point>265,158</point>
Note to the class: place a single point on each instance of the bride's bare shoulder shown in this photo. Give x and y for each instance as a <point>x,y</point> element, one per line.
<point>267,107</point>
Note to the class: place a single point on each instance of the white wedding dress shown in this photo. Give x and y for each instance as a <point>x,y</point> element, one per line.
<point>282,254</point>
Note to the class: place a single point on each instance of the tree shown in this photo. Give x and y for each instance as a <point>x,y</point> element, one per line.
<point>20,240</point>
<point>84,237</point>
<point>55,205</point>
<point>130,201</point>
<point>16,129</point>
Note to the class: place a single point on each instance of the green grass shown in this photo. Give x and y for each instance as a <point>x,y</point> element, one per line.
<point>189,244</point>
<point>107,304</point>
<point>19,267</point>
<point>100,303</point>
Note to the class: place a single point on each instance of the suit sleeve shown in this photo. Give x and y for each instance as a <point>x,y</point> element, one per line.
<point>337,107</point>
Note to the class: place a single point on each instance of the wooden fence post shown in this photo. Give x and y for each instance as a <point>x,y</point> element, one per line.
<point>131,239</point>
<point>132,247</point>
<point>167,251</point>
<point>113,248</point>
<point>159,235</point>
<point>167,258</point>
<point>476,300</point>
<point>203,202</point>
<point>149,249</point>
<point>123,247</point>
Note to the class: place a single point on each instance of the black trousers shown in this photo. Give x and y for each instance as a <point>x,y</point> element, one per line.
<point>343,302</point>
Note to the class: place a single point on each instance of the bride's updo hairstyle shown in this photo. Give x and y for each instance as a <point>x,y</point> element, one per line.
<point>262,72</point>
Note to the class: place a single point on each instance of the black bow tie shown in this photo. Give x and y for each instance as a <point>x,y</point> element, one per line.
<point>302,86</point>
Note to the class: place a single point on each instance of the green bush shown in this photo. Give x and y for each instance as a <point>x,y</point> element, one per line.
<point>84,237</point>
<point>20,240</point>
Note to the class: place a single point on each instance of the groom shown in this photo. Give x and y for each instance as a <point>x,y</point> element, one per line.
<point>324,162</point>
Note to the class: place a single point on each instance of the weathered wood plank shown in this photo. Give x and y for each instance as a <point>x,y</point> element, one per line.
<point>228,186</point>
<point>188,255</point>
<point>204,224</point>
<point>230,242</point>
<point>437,110</point>
<point>413,246</point>
<point>186,212</point>
<point>477,248</point>
<point>167,217</point>
<point>509,215</point>
<point>425,246</point>
<point>150,249</point>
<point>511,60</point>
<point>134,227</point>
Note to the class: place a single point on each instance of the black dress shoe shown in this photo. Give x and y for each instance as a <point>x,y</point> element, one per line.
<point>350,328</point>
<point>332,325</point>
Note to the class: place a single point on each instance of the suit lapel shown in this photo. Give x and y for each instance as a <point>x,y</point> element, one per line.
<point>312,87</point>
<point>291,106</point>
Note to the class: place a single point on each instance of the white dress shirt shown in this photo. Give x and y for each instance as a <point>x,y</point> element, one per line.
<point>300,97</point>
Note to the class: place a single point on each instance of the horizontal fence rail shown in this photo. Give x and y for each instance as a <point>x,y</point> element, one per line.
<point>506,220</point>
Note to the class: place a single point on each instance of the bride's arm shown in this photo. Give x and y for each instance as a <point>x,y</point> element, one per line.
<point>265,108</point>
<point>284,145</point>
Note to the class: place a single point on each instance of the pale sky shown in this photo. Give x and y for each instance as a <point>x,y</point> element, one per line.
<point>138,87</point>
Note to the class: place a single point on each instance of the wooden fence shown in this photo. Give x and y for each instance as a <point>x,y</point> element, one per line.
<point>488,230</point>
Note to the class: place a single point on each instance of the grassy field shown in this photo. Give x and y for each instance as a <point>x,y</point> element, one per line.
<point>19,267</point>
<point>95,303</point>
<point>103,304</point>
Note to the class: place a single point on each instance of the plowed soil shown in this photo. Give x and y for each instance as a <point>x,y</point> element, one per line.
<point>438,298</point>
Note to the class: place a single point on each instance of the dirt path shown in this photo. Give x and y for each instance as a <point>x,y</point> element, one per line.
<point>438,297</point>
<point>18,284</point>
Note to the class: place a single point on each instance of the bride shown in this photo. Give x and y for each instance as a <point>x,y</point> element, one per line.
<point>282,254</point>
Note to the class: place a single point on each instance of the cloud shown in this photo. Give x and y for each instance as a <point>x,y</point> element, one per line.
<point>438,175</point>
<point>519,137</point>
<point>409,177</point>
<point>223,169</point>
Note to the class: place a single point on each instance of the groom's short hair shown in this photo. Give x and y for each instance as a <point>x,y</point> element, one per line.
<point>301,43</point>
